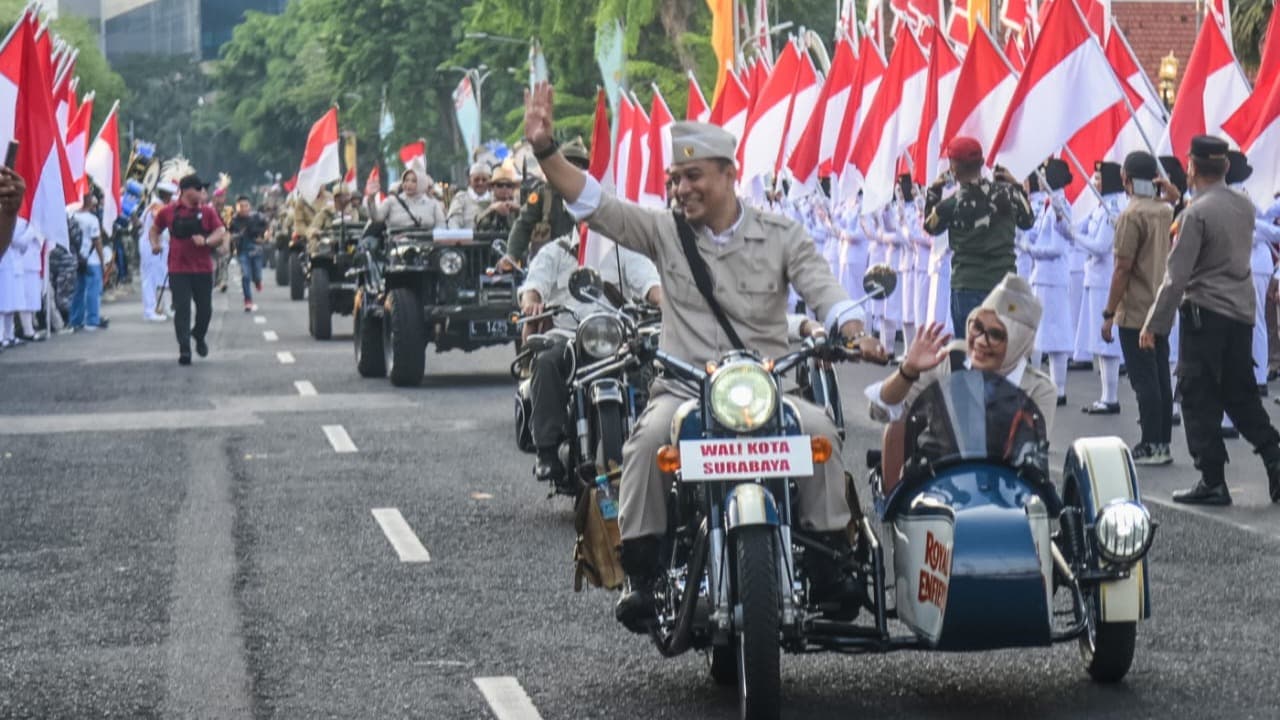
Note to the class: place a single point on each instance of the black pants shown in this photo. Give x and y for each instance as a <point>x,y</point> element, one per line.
<point>1215,374</point>
<point>1149,376</point>
<point>549,393</point>
<point>187,288</point>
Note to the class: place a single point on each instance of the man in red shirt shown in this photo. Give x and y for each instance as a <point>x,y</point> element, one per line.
<point>195,231</point>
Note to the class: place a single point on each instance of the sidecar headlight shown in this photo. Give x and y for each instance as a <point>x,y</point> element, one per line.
<point>1124,530</point>
<point>743,396</point>
<point>450,262</point>
<point>600,335</point>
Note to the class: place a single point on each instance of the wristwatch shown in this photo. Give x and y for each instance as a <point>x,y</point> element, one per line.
<point>1108,314</point>
<point>548,151</point>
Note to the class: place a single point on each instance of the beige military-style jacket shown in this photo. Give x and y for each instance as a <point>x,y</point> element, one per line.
<point>465,208</point>
<point>752,273</point>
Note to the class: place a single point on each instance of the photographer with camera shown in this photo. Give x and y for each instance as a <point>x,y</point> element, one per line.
<point>195,232</point>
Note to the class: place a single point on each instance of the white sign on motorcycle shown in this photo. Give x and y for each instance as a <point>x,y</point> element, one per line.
<point>746,458</point>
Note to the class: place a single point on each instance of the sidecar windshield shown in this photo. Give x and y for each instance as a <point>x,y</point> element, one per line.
<point>975,416</point>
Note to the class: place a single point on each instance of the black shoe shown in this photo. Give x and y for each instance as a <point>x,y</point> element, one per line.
<point>1081,365</point>
<point>549,469</point>
<point>636,609</point>
<point>1062,401</point>
<point>202,348</point>
<point>1176,418</point>
<point>1263,391</point>
<point>1273,480</point>
<point>1203,494</point>
<point>184,358</point>
<point>1229,432</point>
<point>1101,408</point>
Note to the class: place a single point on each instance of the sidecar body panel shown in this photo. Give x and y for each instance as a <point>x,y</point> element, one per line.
<point>970,561</point>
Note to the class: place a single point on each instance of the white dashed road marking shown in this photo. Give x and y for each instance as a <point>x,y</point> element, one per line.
<point>286,358</point>
<point>339,439</point>
<point>400,535</point>
<point>270,335</point>
<point>507,699</point>
<point>259,320</point>
<point>305,388</point>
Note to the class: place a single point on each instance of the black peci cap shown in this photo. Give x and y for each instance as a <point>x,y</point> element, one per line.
<point>1208,147</point>
<point>1140,165</point>
<point>1239,170</point>
<point>1175,171</point>
<point>1057,173</point>
<point>191,182</point>
<point>1109,174</point>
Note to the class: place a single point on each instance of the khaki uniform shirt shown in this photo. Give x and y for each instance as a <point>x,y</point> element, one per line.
<point>465,208</point>
<point>1142,234</point>
<point>752,273</point>
<point>1209,264</point>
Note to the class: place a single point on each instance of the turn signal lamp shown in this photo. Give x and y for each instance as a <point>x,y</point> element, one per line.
<point>668,459</point>
<point>821,449</point>
<point>710,368</point>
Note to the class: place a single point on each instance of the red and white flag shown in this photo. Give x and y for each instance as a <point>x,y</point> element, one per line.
<point>1125,62</point>
<point>958,23</point>
<point>42,159</point>
<point>760,152</point>
<point>62,104</point>
<point>1015,14</point>
<point>320,164</point>
<point>103,165</point>
<point>291,184</point>
<point>350,180</point>
<point>696,108</point>
<point>622,152</point>
<point>654,192</point>
<point>1213,87</point>
<point>944,72</point>
<point>601,158</point>
<point>638,153</point>
<point>414,157</point>
<point>78,144</point>
<point>866,84</point>
<point>982,93</point>
<point>891,125</point>
<point>1068,82</point>
<point>731,108</point>
<point>875,23</point>
<point>1097,15</point>
<point>10,74</point>
<point>1013,53</point>
<point>925,13</point>
<point>818,142</point>
<point>764,39</point>
<point>1240,126</point>
<point>372,186</point>
<point>1220,12</point>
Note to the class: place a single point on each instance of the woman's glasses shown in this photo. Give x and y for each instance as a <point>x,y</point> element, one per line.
<point>995,335</point>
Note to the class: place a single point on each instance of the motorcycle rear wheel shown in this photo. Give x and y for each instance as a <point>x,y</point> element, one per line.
<point>297,278</point>
<point>321,313</point>
<point>758,646</point>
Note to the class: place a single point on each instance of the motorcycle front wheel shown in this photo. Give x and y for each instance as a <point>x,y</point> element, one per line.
<point>759,664</point>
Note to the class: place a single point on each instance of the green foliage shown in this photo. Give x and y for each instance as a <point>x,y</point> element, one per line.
<point>1249,20</point>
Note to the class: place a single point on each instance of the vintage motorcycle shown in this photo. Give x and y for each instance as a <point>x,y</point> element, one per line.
<point>976,564</point>
<point>608,382</point>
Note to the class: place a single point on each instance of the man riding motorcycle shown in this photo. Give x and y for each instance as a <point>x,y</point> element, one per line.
<point>548,284</point>
<point>753,259</point>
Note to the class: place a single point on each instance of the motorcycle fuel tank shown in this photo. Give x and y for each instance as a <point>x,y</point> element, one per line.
<point>971,561</point>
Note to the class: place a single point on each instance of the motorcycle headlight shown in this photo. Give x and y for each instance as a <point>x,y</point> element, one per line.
<point>743,396</point>
<point>1123,529</point>
<point>450,262</point>
<point>600,335</point>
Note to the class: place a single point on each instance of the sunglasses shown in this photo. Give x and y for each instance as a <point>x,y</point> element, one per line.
<point>505,185</point>
<point>995,336</point>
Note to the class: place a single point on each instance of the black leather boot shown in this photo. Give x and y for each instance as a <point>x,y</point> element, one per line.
<point>1211,490</point>
<point>549,468</point>
<point>1271,459</point>
<point>636,609</point>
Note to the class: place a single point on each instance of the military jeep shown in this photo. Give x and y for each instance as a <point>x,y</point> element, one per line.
<point>430,286</point>
<point>331,287</point>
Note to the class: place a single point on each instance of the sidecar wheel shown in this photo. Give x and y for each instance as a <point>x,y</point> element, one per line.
<point>759,671</point>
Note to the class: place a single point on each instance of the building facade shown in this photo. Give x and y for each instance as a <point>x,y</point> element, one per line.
<point>164,28</point>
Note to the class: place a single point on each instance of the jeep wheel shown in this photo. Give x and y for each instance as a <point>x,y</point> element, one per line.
<point>370,360</point>
<point>282,268</point>
<point>405,336</point>
<point>321,313</point>
<point>297,278</point>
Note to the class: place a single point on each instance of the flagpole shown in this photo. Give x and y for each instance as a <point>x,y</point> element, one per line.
<point>1164,116</point>
<point>1086,174</point>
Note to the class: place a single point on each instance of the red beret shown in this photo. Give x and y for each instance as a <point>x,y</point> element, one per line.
<point>964,149</point>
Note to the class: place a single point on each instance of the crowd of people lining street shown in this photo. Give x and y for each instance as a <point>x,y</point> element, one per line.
<point>1171,279</point>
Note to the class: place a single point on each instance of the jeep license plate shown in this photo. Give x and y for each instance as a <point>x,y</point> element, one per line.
<point>745,458</point>
<point>490,329</point>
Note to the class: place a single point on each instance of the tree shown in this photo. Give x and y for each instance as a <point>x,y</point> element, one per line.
<point>1249,20</point>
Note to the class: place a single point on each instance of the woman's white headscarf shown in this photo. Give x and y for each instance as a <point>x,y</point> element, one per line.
<point>1019,310</point>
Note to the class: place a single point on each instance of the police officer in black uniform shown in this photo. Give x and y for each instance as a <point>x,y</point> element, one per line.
<point>1209,283</point>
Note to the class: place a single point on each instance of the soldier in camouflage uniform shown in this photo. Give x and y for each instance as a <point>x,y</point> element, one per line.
<point>554,219</point>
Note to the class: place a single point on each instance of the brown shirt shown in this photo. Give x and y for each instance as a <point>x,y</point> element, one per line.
<point>1209,264</point>
<point>1142,234</point>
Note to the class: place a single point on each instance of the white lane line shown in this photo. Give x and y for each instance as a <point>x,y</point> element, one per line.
<point>270,335</point>
<point>507,699</point>
<point>400,535</point>
<point>339,439</point>
<point>305,388</point>
<point>286,358</point>
<point>259,320</point>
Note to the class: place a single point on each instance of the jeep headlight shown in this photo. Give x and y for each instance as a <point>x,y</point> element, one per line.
<point>450,262</point>
<point>1124,531</point>
<point>743,396</point>
<point>600,335</point>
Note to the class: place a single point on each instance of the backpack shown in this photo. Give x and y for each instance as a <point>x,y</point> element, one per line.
<point>75,236</point>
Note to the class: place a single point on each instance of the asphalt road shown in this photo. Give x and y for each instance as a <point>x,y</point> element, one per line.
<point>189,543</point>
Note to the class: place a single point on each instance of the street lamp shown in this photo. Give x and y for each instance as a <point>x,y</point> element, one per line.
<point>478,75</point>
<point>1168,75</point>
<point>771,32</point>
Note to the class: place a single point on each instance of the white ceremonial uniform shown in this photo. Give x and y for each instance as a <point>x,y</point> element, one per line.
<point>920,247</point>
<point>1096,240</point>
<point>549,274</point>
<point>1263,266</point>
<point>1076,258</point>
<point>940,282</point>
<point>890,243</point>
<point>32,276</point>
<point>1022,263</point>
<point>12,273</point>
<point>154,269</point>
<point>853,251</point>
<point>1049,242</point>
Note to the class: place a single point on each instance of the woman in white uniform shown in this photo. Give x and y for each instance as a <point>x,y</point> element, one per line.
<point>1097,241</point>
<point>890,242</point>
<point>1049,243</point>
<point>12,285</point>
<point>853,249</point>
<point>1260,264</point>
<point>918,246</point>
<point>154,269</point>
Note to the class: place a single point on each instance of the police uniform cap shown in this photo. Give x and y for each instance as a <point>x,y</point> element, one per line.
<point>1208,147</point>
<point>1240,169</point>
<point>692,141</point>
<point>1140,165</point>
<point>1109,176</point>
